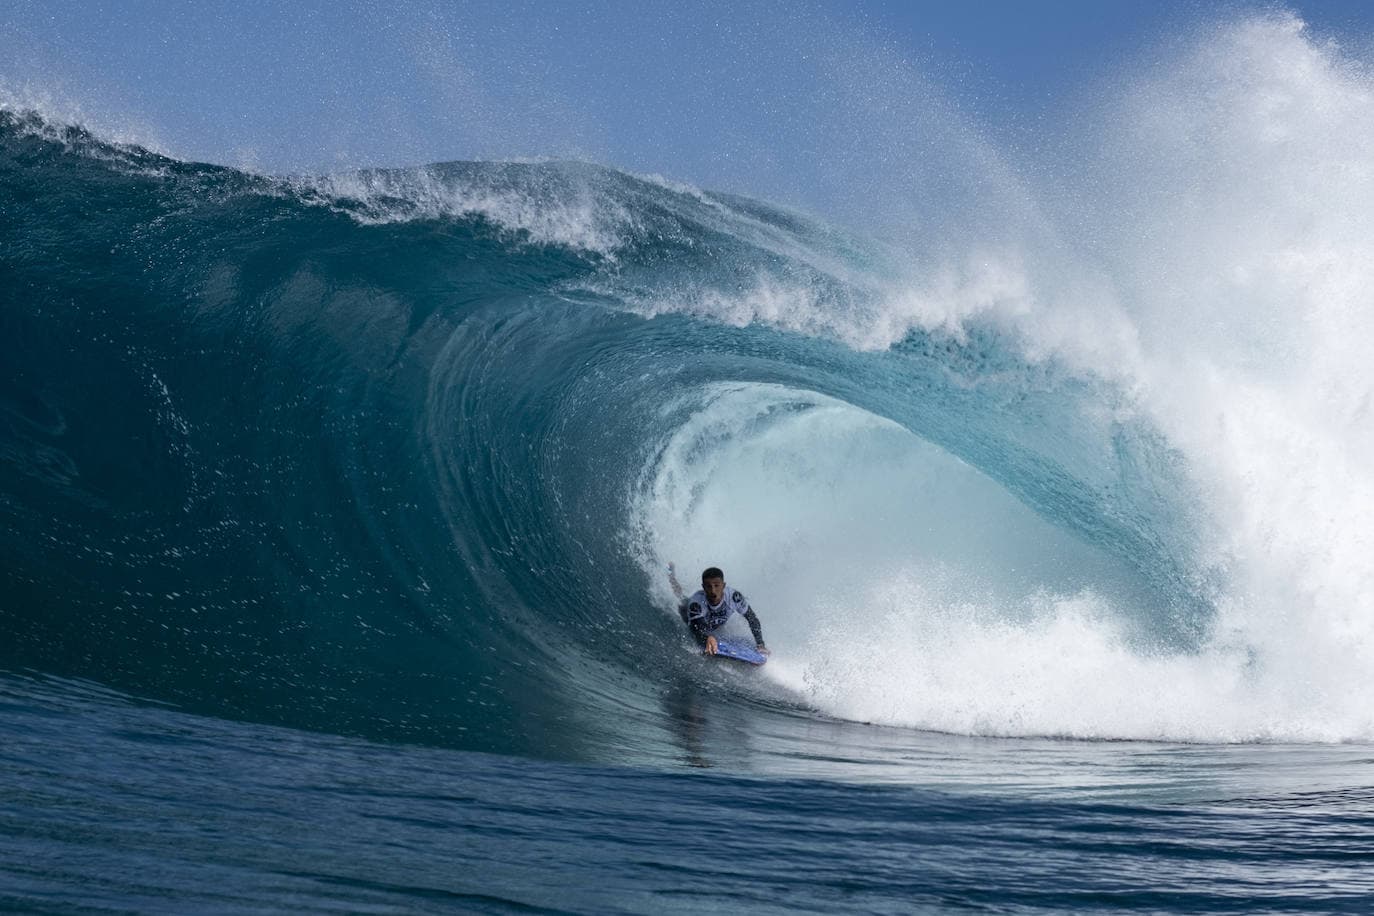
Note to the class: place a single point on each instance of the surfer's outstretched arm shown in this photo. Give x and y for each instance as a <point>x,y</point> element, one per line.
<point>755,627</point>
<point>697,625</point>
<point>702,635</point>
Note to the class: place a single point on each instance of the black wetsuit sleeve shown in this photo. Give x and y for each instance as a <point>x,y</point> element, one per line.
<point>754,626</point>
<point>696,625</point>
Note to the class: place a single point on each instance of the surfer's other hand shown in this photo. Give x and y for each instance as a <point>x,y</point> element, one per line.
<point>672,581</point>
<point>711,645</point>
<point>763,649</point>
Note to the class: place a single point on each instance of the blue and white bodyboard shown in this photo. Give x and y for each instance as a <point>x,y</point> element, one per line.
<point>740,651</point>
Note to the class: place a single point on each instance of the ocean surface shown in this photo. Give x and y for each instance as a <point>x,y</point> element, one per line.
<point>335,515</point>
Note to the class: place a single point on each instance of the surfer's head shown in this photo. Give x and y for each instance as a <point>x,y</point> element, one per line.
<point>713,584</point>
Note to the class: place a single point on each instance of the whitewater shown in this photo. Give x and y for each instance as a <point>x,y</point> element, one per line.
<point>359,490</point>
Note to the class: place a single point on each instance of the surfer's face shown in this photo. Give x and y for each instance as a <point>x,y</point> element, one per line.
<point>714,589</point>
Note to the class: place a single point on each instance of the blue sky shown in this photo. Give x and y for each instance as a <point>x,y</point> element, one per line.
<point>739,95</point>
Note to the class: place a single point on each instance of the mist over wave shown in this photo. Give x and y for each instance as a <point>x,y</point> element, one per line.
<point>405,452</point>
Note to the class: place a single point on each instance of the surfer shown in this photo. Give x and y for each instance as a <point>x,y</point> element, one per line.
<point>708,609</point>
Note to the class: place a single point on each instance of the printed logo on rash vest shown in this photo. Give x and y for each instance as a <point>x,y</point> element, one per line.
<point>713,618</point>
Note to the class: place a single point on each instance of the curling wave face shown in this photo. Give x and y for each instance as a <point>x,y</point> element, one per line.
<point>404,453</point>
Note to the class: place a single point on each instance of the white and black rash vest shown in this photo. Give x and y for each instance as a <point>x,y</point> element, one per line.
<point>705,618</point>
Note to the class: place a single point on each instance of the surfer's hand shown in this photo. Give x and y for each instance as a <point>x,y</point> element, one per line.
<point>763,649</point>
<point>711,645</point>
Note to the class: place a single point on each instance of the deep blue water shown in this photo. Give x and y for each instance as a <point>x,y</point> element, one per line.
<point>113,806</point>
<point>335,515</point>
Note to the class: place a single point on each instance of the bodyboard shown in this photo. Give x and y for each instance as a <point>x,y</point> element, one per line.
<point>740,651</point>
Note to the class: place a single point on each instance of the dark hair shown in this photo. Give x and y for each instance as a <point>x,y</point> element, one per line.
<point>712,572</point>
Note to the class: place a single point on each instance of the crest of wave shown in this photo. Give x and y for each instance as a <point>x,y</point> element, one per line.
<point>549,203</point>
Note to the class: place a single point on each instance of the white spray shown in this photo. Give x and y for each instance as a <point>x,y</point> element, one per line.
<point>1212,257</point>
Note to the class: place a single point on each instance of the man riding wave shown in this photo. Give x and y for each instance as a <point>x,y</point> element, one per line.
<point>710,608</point>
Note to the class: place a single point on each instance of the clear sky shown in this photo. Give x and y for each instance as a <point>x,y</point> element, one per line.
<point>750,95</point>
